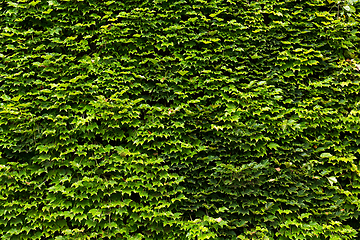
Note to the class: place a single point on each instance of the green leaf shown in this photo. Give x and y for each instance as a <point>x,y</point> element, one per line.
<point>349,8</point>
<point>182,73</point>
<point>273,145</point>
<point>95,212</point>
<point>289,74</point>
<point>90,223</point>
<point>332,180</point>
<point>326,155</point>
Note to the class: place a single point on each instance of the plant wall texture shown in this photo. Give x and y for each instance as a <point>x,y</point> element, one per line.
<point>179,119</point>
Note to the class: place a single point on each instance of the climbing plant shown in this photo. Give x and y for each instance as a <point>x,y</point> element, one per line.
<point>179,119</point>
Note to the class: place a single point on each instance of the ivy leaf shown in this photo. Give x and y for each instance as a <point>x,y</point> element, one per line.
<point>95,212</point>
<point>182,73</point>
<point>90,223</point>
<point>326,155</point>
<point>332,180</point>
<point>273,145</point>
<point>350,8</point>
<point>289,74</point>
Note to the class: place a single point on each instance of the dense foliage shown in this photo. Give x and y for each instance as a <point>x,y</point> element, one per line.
<point>179,119</point>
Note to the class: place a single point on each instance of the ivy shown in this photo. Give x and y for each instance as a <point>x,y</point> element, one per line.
<point>173,119</point>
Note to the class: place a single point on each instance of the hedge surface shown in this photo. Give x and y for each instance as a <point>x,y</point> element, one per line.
<point>186,119</point>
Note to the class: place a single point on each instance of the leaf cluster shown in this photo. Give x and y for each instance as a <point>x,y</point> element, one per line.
<point>174,119</point>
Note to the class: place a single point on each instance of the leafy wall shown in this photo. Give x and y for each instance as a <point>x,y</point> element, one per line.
<point>186,119</point>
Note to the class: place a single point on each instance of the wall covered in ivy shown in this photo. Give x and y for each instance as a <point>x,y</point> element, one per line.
<point>179,119</point>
